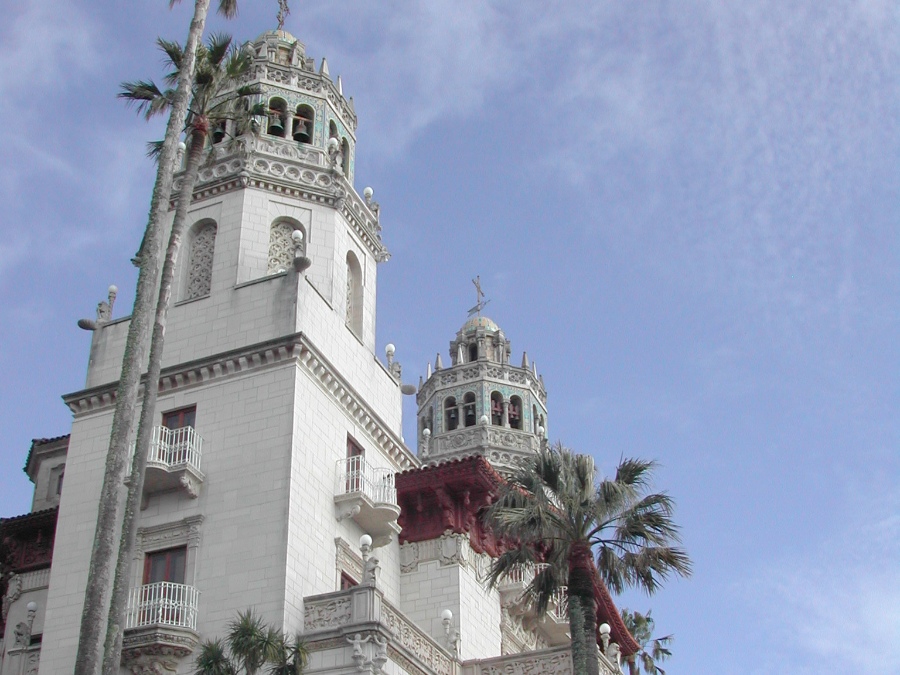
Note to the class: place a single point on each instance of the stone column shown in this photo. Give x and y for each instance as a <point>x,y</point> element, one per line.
<point>505,419</point>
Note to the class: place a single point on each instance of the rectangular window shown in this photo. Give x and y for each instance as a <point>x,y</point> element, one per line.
<point>355,455</point>
<point>59,482</point>
<point>165,565</point>
<point>178,419</point>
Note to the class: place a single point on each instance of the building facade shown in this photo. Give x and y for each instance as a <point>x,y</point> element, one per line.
<point>277,477</point>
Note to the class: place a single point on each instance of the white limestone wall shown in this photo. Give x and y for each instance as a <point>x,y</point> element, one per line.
<point>428,591</point>
<point>246,424</point>
<point>321,428</point>
<point>246,307</point>
<point>479,616</point>
<point>74,536</point>
<point>45,483</point>
<point>433,587</point>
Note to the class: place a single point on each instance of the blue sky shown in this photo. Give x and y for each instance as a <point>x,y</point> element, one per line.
<point>686,213</point>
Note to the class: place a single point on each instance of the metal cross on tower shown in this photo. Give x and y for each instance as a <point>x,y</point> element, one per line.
<point>283,11</point>
<point>480,302</point>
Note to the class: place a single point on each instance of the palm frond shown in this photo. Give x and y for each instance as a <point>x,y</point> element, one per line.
<point>146,97</point>
<point>174,53</point>
<point>218,46</point>
<point>228,8</point>
<point>154,149</point>
<point>212,659</point>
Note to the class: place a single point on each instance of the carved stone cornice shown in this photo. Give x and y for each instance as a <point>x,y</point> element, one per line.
<point>295,348</point>
<point>282,167</point>
<point>470,373</point>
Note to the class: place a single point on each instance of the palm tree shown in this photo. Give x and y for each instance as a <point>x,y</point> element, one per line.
<point>214,94</point>
<point>557,516</point>
<point>652,649</point>
<point>109,511</point>
<point>250,645</point>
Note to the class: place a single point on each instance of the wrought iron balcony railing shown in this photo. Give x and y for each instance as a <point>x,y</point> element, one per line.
<point>162,604</point>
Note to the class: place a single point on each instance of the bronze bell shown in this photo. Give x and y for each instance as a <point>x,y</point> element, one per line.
<point>218,133</point>
<point>301,130</point>
<point>276,126</point>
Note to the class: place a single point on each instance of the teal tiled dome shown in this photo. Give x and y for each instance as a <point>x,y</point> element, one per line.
<point>476,322</point>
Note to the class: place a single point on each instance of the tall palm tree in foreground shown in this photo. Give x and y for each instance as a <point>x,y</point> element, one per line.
<point>109,511</point>
<point>556,513</point>
<point>250,645</point>
<point>215,94</point>
<point>653,649</point>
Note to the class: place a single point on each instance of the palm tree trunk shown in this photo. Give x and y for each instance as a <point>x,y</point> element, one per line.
<point>94,612</point>
<point>115,628</point>
<point>582,610</point>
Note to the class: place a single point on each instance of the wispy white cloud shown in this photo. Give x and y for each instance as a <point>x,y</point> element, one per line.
<point>45,43</point>
<point>835,610</point>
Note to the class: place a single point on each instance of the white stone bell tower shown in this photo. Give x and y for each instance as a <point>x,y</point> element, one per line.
<point>481,403</point>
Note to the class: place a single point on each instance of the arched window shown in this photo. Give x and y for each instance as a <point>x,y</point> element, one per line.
<point>281,245</point>
<point>469,410</point>
<point>429,421</point>
<point>534,419</point>
<point>345,150</point>
<point>277,117</point>
<point>496,408</point>
<point>473,352</point>
<point>515,412</point>
<point>332,130</point>
<point>200,260</point>
<point>354,294</point>
<point>451,414</point>
<point>304,123</point>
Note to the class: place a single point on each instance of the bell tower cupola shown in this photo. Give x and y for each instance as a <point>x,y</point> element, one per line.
<point>480,403</point>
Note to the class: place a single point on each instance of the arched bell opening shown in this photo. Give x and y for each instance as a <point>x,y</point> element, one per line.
<point>277,117</point>
<point>304,121</point>
<point>469,416</point>
<point>451,414</point>
<point>473,352</point>
<point>218,132</point>
<point>345,150</point>
<point>496,408</point>
<point>515,412</point>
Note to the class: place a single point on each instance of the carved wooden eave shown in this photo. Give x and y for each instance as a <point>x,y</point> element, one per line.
<point>28,540</point>
<point>448,497</point>
<point>295,348</point>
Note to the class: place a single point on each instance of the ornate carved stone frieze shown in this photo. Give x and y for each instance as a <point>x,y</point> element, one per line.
<point>482,371</point>
<point>285,167</point>
<point>551,662</point>
<point>157,649</point>
<point>327,613</point>
<point>418,643</point>
<point>184,532</point>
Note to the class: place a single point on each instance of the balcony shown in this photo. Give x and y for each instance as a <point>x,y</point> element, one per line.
<point>368,496</point>
<point>173,462</point>
<point>161,618</point>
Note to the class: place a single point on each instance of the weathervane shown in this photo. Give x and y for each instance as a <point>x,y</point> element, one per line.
<point>283,11</point>
<point>480,302</point>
